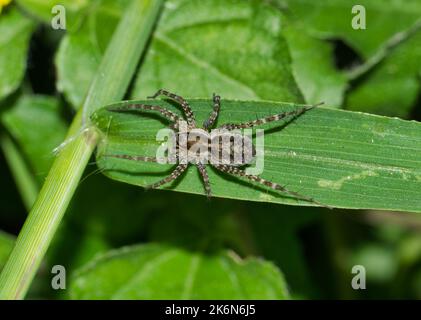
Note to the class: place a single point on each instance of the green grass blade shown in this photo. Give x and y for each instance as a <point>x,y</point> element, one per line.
<point>342,159</point>
<point>46,214</point>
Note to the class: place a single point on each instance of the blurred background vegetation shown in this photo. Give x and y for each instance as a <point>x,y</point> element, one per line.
<point>44,75</point>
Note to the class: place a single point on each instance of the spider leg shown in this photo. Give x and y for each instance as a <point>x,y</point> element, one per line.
<point>173,176</point>
<point>275,117</point>
<point>169,115</point>
<point>214,114</point>
<point>186,107</point>
<point>205,178</point>
<point>134,158</point>
<point>241,173</point>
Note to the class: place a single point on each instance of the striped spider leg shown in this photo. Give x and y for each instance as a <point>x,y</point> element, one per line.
<point>275,117</point>
<point>214,114</point>
<point>242,173</point>
<point>173,119</point>
<point>188,112</point>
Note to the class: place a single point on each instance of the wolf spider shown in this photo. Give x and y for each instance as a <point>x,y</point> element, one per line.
<point>231,168</point>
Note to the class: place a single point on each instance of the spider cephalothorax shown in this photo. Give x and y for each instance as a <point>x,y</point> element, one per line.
<point>197,146</point>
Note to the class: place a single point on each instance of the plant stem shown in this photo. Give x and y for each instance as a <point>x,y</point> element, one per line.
<point>46,214</point>
<point>110,84</point>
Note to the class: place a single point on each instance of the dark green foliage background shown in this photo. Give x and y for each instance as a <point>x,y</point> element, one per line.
<point>292,51</point>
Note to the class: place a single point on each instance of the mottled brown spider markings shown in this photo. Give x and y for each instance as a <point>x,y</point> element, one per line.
<point>230,168</point>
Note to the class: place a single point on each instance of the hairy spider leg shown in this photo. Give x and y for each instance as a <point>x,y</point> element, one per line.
<point>215,112</point>
<point>241,173</point>
<point>205,178</point>
<point>173,176</point>
<point>133,158</point>
<point>186,107</point>
<point>275,117</point>
<point>169,115</point>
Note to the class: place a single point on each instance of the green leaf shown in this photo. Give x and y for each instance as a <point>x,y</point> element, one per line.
<point>234,48</point>
<point>392,87</point>
<point>339,158</point>
<point>160,272</point>
<point>35,123</point>
<point>313,68</point>
<point>191,44</point>
<point>15,30</point>
<point>6,245</point>
<point>80,52</point>
<point>332,19</point>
